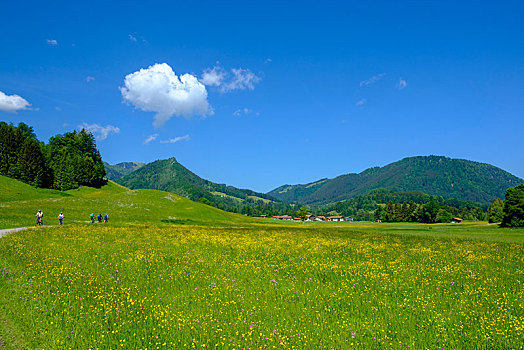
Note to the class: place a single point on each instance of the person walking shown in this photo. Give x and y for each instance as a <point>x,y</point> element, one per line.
<point>99,217</point>
<point>92,216</point>
<point>60,219</point>
<point>106,218</point>
<point>39,218</point>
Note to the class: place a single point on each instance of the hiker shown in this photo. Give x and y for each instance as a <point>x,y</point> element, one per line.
<point>99,217</point>
<point>39,218</point>
<point>92,216</point>
<point>60,219</point>
<point>106,218</point>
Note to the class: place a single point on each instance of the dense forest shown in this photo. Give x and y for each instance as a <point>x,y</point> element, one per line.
<point>66,162</point>
<point>392,206</point>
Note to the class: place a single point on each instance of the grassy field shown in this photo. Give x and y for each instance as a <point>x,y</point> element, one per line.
<point>252,284</point>
<point>19,203</point>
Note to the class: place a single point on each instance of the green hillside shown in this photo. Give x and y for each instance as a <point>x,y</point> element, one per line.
<point>434,175</point>
<point>19,203</point>
<point>171,176</point>
<point>116,171</point>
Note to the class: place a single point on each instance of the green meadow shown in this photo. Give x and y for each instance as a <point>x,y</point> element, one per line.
<point>169,273</point>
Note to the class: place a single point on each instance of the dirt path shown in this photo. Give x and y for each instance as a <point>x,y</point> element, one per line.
<point>7,231</point>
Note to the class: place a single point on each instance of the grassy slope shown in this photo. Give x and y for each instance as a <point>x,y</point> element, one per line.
<point>19,203</point>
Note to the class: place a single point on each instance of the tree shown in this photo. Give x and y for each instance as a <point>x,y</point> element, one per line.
<point>514,207</point>
<point>302,213</point>
<point>496,211</point>
<point>30,163</point>
<point>380,213</point>
<point>205,201</point>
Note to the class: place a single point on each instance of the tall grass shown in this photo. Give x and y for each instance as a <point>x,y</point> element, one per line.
<point>96,286</point>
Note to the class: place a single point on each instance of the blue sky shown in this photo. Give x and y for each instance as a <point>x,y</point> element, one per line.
<point>261,94</point>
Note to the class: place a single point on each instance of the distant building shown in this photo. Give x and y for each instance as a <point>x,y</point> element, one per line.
<point>349,218</point>
<point>456,220</point>
<point>263,216</point>
<point>335,218</point>
<point>378,220</point>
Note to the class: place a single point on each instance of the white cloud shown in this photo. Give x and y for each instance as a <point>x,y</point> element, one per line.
<point>372,80</point>
<point>402,84</point>
<point>150,138</point>
<point>100,132</point>
<point>132,38</point>
<point>12,103</point>
<point>244,111</point>
<point>242,79</point>
<point>52,42</point>
<point>88,79</point>
<point>158,89</point>
<point>238,79</point>
<point>213,77</point>
<point>268,60</point>
<point>361,102</point>
<point>177,139</point>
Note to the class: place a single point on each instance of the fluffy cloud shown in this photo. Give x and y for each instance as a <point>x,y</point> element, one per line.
<point>158,89</point>
<point>100,132</point>
<point>177,139</point>
<point>12,103</point>
<point>52,42</point>
<point>238,79</point>
<point>132,38</point>
<point>88,79</point>
<point>372,80</point>
<point>150,138</point>
<point>361,102</point>
<point>402,84</point>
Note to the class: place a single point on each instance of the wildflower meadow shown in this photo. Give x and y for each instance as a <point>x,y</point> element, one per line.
<point>258,287</point>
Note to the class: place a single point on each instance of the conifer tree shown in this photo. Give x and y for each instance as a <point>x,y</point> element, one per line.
<point>496,211</point>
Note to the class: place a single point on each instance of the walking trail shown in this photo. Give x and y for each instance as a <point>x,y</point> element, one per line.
<point>7,231</point>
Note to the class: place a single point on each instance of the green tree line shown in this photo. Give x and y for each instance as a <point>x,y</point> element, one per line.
<point>66,162</point>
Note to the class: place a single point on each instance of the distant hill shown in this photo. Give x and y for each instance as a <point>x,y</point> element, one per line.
<point>434,175</point>
<point>20,201</point>
<point>116,171</point>
<point>171,176</point>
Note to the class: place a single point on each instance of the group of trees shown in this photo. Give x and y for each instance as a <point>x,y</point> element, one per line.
<point>387,205</point>
<point>430,212</point>
<point>66,162</point>
<point>513,208</point>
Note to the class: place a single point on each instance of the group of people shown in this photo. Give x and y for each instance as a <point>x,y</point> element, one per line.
<point>92,217</point>
<point>40,218</point>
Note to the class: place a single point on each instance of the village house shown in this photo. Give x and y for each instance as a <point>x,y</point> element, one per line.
<point>335,218</point>
<point>456,220</point>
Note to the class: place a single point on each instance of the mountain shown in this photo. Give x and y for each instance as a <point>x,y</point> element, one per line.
<point>116,171</point>
<point>434,175</point>
<point>171,176</point>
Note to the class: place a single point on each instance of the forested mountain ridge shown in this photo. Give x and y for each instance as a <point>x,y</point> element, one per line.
<point>171,176</point>
<point>434,175</point>
<point>116,171</point>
